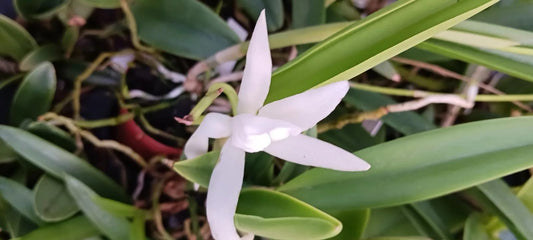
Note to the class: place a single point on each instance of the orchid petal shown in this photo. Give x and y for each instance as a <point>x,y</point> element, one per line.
<point>310,151</point>
<point>214,125</point>
<point>224,188</point>
<point>306,109</point>
<point>252,133</point>
<point>257,72</point>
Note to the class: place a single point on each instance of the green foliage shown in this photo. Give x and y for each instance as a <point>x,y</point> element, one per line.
<point>34,95</point>
<point>191,29</point>
<point>16,41</point>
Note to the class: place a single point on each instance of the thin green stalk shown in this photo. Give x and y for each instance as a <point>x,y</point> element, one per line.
<point>418,93</point>
<point>106,122</point>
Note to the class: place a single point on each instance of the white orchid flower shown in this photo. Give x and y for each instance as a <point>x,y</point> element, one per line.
<point>274,128</point>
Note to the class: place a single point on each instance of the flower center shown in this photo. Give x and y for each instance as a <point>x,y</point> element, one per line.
<point>253,133</point>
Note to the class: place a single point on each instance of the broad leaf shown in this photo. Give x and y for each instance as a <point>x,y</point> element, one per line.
<point>50,52</point>
<point>474,228</point>
<point>379,37</point>
<point>16,41</point>
<point>509,208</point>
<point>56,161</point>
<point>275,215</point>
<point>52,201</point>
<point>115,228</point>
<point>461,156</point>
<point>73,229</point>
<point>39,9</point>
<point>186,28</point>
<point>20,198</point>
<point>273,9</point>
<point>510,63</point>
<point>34,95</point>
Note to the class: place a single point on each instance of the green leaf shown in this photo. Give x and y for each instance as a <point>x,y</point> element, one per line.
<point>351,137</point>
<point>460,157</point>
<point>404,122</point>
<point>432,218</point>
<point>273,10</point>
<point>52,134</point>
<point>20,198</point>
<point>275,215</point>
<point>526,194</point>
<point>71,69</point>
<point>116,228</point>
<point>73,229</point>
<point>379,37</point>
<point>56,161</point>
<point>198,170</point>
<point>117,208</point>
<point>474,228</point>
<point>52,201</point>
<point>34,95</point>
<point>186,28</point>
<point>307,13</point>
<point>39,9</point>
<point>50,52</point>
<point>354,223</point>
<point>7,154</point>
<point>16,41</point>
<point>510,63</point>
<point>12,221</point>
<point>389,222</point>
<point>106,4</point>
<point>517,217</point>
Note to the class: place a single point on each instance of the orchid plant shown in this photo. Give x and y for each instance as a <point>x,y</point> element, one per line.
<point>275,128</point>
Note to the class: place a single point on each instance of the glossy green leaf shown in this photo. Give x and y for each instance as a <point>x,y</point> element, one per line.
<point>259,168</point>
<point>388,222</point>
<point>39,9</point>
<point>460,157</point>
<point>115,228</point>
<point>20,198</point>
<point>404,122</point>
<point>379,37</point>
<point>186,28</point>
<point>117,208</point>
<point>275,215</point>
<point>69,70</point>
<point>517,14</point>
<point>34,95</point>
<point>198,170</point>
<point>526,194</point>
<point>50,52</point>
<point>307,13</point>
<point>513,64</point>
<point>351,137</point>
<point>52,134</point>
<point>16,41</point>
<point>518,218</point>
<point>52,201</point>
<point>106,4</point>
<point>12,221</point>
<point>432,218</point>
<point>7,154</point>
<point>354,223</point>
<point>72,229</point>
<point>474,228</point>
<point>273,10</point>
<point>56,161</point>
